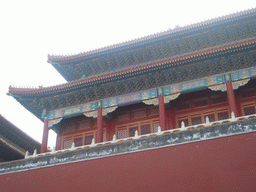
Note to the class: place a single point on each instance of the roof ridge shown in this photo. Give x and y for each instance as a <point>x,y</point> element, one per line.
<point>141,39</point>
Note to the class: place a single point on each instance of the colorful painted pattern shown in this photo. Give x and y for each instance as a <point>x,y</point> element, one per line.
<point>243,74</point>
<point>129,98</point>
<point>89,106</point>
<point>252,72</point>
<point>213,82</point>
<point>193,85</point>
<point>72,110</point>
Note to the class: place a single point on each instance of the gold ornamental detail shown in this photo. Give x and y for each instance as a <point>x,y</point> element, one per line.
<point>221,87</point>
<point>105,111</point>
<point>93,114</point>
<point>53,122</point>
<point>237,84</point>
<point>151,101</point>
<point>170,97</point>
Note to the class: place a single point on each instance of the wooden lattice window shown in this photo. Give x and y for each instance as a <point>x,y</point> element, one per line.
<point>223,115</point>
<point>196,120</point>
<point>94,121</point>
<point>155,126</point>
<point>104,136</point>
<point>84,124</point>
<point>68,128</point>
<point>154,111</point>
<point>185,121</point>
<point>183,107</point>
<point>88,139</point>
<point>246,94</point>
<point>139,114</point>
<point>123,117</point>
<point>67,143</point>
<point>78,141</point>
<point>104,121</point>
<point>201,103</point>
<point>218,100</point>
<point>145,129</point>
<point>249,110</point>
<point>121,133</point>
<point>132,131</point>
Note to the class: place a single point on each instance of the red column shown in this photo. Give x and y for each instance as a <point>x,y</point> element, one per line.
<point>99,137</point>
<point>162,112</point>
<point>58,143</point>
<point>45,137</point>
<point>171,118</point>
<point>108,131</point>
<point>231,99</point>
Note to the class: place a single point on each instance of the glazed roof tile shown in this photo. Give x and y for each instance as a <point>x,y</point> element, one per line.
<point>178,59</point>
<point>201,25</point>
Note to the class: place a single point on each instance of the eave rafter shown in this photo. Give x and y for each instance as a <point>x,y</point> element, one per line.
<point>103,64</point>
<point>45,102</point>
<point>111,61</point>
<point>54,103</point>
<point>180,62</point>
<point>79,97</point>
<point>121,60</point>
<point>150,81</point>
<point>125,60</point>
<point>162,49</point>
<point>210,65</point>
<point>90,95</point>
<point>99,92</point>
<point>133,53</point>
<point>130,58</point>
<point>120,89</point>
<point>70,99</point>
<point>110,91</point>
<point>140,84</point>
<point>94,66</point>
<point>88,70</point>
<point>139,54</point>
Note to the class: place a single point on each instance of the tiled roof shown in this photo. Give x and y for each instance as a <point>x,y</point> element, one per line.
<point>181,30</point>
<point>21,140</point>
<point>176,60</point>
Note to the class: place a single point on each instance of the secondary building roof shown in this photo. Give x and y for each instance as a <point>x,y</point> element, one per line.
<point>13,142</point>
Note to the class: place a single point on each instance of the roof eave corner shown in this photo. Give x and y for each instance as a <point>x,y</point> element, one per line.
<point>49,59</point>
<point>9,93</point>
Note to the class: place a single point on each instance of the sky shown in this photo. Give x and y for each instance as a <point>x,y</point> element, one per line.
<point>30,30</point>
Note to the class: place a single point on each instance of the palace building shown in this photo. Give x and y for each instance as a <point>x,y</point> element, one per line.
<point>177,104</point>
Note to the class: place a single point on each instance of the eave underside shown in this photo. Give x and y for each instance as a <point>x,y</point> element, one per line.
<point>196,68</point>
<point>14,138</point>
<point>7,153</point>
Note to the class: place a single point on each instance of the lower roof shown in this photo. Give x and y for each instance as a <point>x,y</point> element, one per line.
<point>11,137</point>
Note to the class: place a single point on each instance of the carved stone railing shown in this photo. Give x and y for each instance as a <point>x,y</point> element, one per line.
<point>136,136</point>
<point>160,139</point>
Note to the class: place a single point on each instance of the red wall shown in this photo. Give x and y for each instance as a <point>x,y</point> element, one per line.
<point>225,164</point>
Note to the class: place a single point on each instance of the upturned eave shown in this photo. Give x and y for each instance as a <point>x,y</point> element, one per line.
<point>149,66</point>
